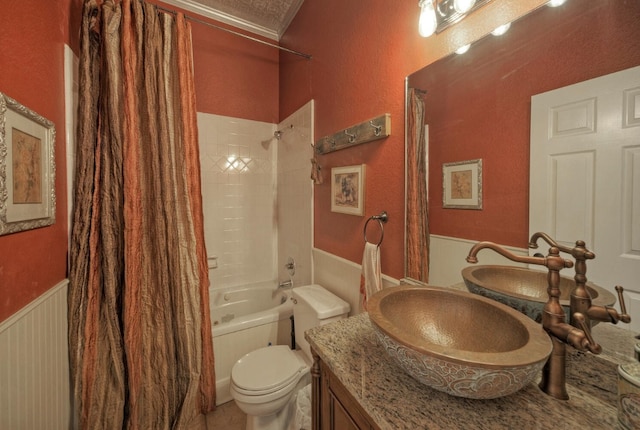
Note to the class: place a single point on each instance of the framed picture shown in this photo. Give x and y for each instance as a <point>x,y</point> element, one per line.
<point>27,168</point>
<point>462,185</point>
<point>347,189</point>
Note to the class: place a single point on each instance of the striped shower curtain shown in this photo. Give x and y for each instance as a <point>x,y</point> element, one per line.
<point>141,351</point>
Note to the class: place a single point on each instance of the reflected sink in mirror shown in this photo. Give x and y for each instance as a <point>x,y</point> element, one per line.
<point>457,342</point>
<point>526,290</point>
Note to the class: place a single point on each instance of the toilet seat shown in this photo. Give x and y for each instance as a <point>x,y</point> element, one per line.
<point>267,370</point>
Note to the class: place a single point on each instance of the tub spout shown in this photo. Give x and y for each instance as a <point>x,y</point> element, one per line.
<point>286,284</point>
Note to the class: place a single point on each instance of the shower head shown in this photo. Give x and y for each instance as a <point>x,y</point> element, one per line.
<point>277,135</point>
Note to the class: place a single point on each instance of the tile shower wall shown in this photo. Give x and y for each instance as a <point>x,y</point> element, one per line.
<point>295,194</point>
<point>238,191</point>
<point>257,197</point>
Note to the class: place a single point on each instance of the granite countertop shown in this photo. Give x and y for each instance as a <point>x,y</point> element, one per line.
<point>396,401</point>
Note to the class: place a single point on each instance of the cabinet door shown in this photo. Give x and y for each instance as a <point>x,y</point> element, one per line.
<point>340,411</point>
<point>339,417</point>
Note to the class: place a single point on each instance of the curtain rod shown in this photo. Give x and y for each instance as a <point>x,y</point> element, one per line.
<point>199,21</point>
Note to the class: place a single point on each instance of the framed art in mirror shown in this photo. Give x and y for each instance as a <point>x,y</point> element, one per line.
<point>462,185</point>
<point>347,189</point>
<point>27,168</point>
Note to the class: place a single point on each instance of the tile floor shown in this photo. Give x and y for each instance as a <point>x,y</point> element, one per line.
<point>227,417</point>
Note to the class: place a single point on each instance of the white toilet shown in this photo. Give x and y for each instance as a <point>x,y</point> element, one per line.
<point>264,382</point>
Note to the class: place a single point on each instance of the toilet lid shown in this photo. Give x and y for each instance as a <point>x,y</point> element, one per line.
<point>267,369</point>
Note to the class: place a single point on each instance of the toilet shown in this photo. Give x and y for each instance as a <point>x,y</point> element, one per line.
<point>264,382</point>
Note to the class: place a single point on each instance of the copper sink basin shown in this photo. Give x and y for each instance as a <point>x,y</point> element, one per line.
<point>457,342</point>
<point>525,289</point>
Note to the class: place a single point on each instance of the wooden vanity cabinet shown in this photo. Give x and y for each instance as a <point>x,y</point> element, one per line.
<point>333,407</point>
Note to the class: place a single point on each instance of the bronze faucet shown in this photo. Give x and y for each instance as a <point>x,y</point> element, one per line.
<point>553,380</point>
<point>580,297</point>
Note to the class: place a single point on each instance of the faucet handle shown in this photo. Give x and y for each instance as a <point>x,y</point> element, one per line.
<point>588,342</point>
<point>623,315</point>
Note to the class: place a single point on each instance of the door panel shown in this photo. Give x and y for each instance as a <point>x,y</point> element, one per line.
<point>585,176</point>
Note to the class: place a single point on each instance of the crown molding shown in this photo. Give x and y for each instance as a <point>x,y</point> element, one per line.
<point>208,12</point>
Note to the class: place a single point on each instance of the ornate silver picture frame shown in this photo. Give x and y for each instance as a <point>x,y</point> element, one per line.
<point>27,168</point>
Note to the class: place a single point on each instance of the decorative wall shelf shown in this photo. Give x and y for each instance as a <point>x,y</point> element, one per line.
<point>367,131</point>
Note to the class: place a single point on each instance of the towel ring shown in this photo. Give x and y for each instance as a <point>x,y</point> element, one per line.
<point>382,218</point>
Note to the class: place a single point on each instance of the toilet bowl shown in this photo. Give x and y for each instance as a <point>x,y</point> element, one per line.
<point>265,382</point>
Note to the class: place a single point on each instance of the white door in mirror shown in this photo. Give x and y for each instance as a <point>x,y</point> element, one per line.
<point>585,176</point>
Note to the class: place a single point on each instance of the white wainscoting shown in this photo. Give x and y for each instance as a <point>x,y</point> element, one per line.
<point>448,256</point>
<point>34,365</point>
<point>342,277</point>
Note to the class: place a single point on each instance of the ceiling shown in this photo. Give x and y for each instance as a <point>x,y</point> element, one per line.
<point>268,18</point>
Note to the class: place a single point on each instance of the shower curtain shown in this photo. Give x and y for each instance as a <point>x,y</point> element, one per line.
<point>140,342</point>
<point>417,203</point>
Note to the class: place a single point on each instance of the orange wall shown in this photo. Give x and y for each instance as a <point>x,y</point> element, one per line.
<point>234,77</point>
<point>361,55</point>
<point>32,34</point>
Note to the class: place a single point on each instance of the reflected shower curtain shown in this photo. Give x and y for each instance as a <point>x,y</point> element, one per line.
<point>417,203</point>
<point>141,351</point>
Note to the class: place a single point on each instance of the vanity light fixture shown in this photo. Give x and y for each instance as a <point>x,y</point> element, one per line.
<point>463,49</point>
<point>428,21</point>
<point>556,3</point>
<point>437,15</point>
<point>501,30</point>
<point>463,6</point>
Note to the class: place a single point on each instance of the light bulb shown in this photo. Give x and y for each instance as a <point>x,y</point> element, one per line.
<point>501,30</point>
<point>463,49</point>
<point>556,3</point>
<point>427,23</point>
<point>463,6</point>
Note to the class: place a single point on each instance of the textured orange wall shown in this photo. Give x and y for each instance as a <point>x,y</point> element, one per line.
<point>361,55</point>
<point>32,34</point>
<point>234,77</point>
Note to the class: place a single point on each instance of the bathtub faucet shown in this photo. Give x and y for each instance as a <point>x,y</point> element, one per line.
<point>285,284</point>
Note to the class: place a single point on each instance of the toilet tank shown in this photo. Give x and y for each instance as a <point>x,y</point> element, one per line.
<point>315,306</point>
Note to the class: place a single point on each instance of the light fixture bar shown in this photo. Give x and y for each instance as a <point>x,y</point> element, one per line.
<point>447,14</point>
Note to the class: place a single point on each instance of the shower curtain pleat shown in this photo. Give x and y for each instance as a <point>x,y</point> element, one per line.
<point>140,333</point>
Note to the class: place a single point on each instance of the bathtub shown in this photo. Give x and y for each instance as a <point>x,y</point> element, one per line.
<point>243,319</point>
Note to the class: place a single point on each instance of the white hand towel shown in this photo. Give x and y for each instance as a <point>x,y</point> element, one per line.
<point>371,278</point>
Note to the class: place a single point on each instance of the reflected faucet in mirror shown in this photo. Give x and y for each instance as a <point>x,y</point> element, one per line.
<point>580,298</point>
<point>561,333</point>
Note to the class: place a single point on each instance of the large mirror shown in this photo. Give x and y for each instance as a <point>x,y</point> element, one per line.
<point>477,106</point>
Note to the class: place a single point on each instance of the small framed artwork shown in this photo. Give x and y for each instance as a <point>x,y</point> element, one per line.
<point>462,185</point>
<point>347,189</point>
<point>27,168</point>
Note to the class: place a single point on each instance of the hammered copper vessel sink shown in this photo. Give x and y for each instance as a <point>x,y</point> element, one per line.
<point>457,342</point>
<point>526,290</point>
